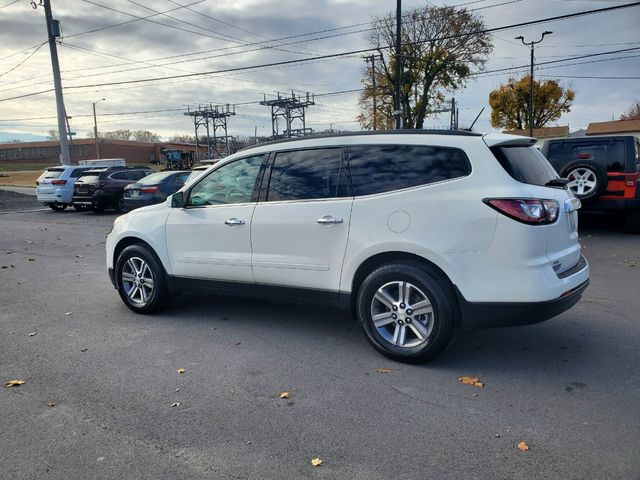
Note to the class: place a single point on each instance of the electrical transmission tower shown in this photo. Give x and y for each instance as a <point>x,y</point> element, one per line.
<point>210,125</point>
<point>289,109</point>
<point>453,110</point>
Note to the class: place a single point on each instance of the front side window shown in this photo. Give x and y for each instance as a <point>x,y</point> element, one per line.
<point>384,168</point>
<point>231,183</point>
<point>305,175</point>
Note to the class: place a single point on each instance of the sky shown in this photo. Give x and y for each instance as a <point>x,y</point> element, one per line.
<point>106,41</point>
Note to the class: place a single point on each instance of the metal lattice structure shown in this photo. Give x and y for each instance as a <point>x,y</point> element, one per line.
<point>290,111</point>
<point>210,126</point>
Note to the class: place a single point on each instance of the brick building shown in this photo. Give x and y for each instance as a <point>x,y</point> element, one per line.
<point>84,149</point>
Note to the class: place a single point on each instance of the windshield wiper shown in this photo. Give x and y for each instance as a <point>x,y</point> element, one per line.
<point>557,182</point>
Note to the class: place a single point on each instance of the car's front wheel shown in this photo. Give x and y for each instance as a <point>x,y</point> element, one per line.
<point>141,280</point>
<point>406,312</point>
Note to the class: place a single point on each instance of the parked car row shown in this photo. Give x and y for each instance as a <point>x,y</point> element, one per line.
<point>118,187</point>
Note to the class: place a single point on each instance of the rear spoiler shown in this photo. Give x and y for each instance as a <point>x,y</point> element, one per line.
<point>504,140</point>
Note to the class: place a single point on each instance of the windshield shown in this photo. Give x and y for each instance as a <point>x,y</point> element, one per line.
<point>89,179</point>
<point>155,178</point>
<point>194,174</point>
<point>51,173</point>
<point>525,164</point>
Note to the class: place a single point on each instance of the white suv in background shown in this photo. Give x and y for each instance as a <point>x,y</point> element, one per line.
<point>420,233</point>
<point>54,188</point>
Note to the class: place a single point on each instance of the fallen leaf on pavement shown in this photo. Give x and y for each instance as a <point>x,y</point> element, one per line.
<point>177,404</point>
<point>383,370</point>
<point>51,404</point>
<point>475,381</point>
<point>181,370</point>
<point>523,446</point>
<point>316,462</point>
<point>31,259</point>
<point>14,383</point>
<point>69,313</point>
<point>285,394</point>
<point>33,334</point>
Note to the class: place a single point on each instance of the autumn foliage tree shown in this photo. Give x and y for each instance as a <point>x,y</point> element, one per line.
<point>441,48</point>
<point>633,113</point>
<point>510,103</point>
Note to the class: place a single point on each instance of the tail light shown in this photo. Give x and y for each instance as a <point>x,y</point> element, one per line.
<point>58,182</point>
<point>149,189</point>
<point>526,210</point>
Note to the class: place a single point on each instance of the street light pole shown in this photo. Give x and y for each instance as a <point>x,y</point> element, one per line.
<point>95,128</point>
<point>531,45</point>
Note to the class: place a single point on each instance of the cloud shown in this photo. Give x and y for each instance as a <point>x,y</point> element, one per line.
<point>139,50</point>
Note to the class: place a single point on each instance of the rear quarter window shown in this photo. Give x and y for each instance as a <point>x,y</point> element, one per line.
<point>385,168</point>
<point>525,164</point>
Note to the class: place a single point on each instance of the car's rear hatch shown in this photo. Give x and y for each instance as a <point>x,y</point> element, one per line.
<point>527,165</point>
<point>86,185</point>
<point>49,181</point>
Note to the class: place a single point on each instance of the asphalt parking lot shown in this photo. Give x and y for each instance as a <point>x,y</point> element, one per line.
<point>101,381</point>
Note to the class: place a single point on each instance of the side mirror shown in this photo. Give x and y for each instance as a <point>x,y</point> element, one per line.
<point>177,200</point>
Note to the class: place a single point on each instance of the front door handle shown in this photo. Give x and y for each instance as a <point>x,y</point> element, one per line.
<point>233,221</point>
<point>328,219</point>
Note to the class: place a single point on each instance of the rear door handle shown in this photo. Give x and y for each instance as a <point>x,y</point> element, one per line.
<point>328,219</point>
<point>233,221</point>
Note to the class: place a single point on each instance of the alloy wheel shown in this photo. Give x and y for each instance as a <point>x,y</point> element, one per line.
<point>582,181</point>
<point>137,281</point>
<point>402,314</point>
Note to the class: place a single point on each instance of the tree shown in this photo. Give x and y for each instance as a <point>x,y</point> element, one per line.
<point>146,136</point>
<point>177,138</point>
<point>52,134</point>
<point>441,48</point>
<point>633,113</point>
<point>510,103</point>
<point>123,134</point>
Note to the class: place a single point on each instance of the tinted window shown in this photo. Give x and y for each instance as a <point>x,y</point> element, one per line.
<point>137,174</point>
<point>609,153</point>
<point>385,168</point>
<point>120,176</point>
<point>231,183</point>
<point>305,174</point>
<point>525,164</point>
<point>77,172</point>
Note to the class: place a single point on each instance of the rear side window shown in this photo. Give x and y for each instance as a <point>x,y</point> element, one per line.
<point>609,153</point>
<point>384,168</point>
<point>137,174</point>
<point>120,176</point>
<point>305,175</point>
<point>525,164</point>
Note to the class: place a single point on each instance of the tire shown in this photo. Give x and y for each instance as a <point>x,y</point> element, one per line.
<point>57,207</point>
<point>632,222</point>
<point>435,326</point>
<point>120,207</point>
<point>97,208</point>
<point>136,268</point>
<point>587,180</point>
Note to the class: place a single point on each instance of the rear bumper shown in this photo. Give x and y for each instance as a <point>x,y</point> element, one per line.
<point>488,315</point>
<point>132,204</point>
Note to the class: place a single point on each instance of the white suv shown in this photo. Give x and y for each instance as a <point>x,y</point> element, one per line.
<point>422,234</point>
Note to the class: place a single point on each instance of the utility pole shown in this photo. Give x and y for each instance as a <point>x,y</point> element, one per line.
<point>531,45</point>
<point>372,59</point>
<point>53,31</point>
<point>95,128</point>
<point>398,112</point>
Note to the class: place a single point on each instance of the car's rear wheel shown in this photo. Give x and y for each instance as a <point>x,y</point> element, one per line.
<point>120,206</point>
<point>586,179</point>
<point>57,207</point>
<point>406,312</point>
<point>141,280</point>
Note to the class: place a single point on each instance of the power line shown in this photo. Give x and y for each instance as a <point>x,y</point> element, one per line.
<point>590,78</point>
<point>9,4</point>
<point>24,60</point>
